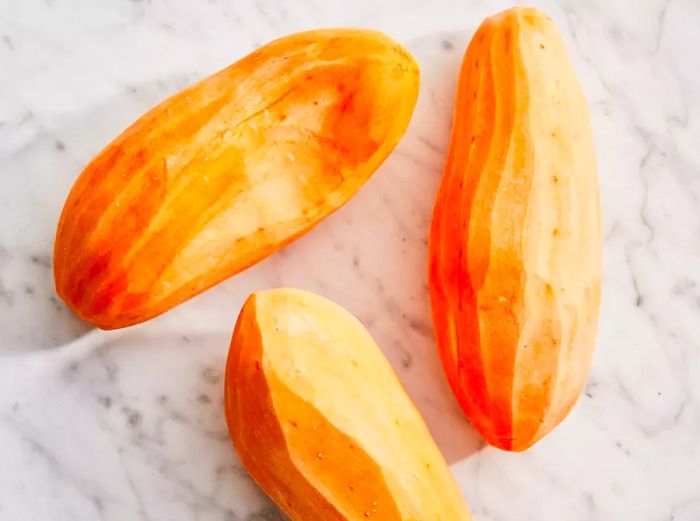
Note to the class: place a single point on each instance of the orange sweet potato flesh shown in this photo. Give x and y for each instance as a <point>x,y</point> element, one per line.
<point>228,171</point>
<point>515,244</point>
<point>321,421</point>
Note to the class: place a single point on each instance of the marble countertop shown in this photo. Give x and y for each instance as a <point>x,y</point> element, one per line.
<point>129,424</point>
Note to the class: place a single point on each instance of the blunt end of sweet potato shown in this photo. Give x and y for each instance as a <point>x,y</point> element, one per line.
<point>321,422</point>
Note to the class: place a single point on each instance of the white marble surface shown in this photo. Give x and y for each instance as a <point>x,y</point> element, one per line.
<point>129,424</point>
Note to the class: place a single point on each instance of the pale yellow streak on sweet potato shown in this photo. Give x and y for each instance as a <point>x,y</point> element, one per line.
<point>562,235</point>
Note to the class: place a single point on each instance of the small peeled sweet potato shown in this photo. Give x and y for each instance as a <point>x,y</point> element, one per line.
<point>230,170</point>
<point>515,247</point>
<point>321,421</point>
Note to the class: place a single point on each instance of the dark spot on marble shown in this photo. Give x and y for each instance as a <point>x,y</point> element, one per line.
<point>41,260</point>
<point>111,369</point>
<point>682,286</point>
<point>15,407</point>
<point>167,27</point>
<point>185,339</point>
<point>133,417</point>
<point>380,285</point>
<point>28,116</point>
<point>132,89</point>
<point>60,145</point>
<point>70,371</point>
<point>419,327</point>
<point>639,301</point>
<point>355,261</point>
<point>624,449</point>
<point>8,42</point>
<point>406,359</point>
<point>105,401</point>
<point>162,399</point>
<point>56,304</point>
<point>29,290</point>
<point>447,45</point>
<point>211,375</point>
<point>222,470</point>
<point>7,294</point>
<point>203,398</point>
<point>98,503</point>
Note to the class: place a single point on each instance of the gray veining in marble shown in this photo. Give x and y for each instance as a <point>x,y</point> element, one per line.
<point>129,424</point>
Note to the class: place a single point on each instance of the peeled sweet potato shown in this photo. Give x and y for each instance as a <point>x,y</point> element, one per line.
<point>321,421</point>
<point>228,171</point>
<point>515,245</point>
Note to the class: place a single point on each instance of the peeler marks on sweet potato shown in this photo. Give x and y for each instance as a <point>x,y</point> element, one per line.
<point>230,170</point>
<point>321,421</point>
<point>515,246</point>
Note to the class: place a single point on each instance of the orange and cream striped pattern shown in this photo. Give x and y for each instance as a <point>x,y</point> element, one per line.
<point>229,171</point>
<point>515,247</point>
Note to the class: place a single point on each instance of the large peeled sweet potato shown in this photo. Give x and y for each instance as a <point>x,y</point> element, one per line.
<point>321,421</point>
<point>515,245</point>
<point>230,170</point>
